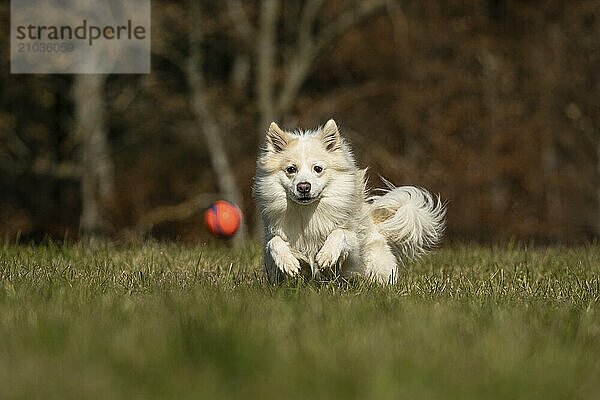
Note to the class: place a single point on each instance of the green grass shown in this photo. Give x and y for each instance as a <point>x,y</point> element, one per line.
<point>167,321</point>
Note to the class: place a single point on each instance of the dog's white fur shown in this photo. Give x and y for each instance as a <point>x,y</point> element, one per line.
<point>337,228</point>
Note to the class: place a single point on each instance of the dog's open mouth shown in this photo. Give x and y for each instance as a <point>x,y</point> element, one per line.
<point>304,199</point>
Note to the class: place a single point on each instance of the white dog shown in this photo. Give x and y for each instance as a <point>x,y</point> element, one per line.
<point>319,219</point>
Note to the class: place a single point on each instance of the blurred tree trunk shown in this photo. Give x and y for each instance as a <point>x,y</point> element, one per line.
<point>265,63</point>
<point>597,224</point>
<point>240,72</point>
<point>551,71</point>
<point>207,122</point>
<point>493,69</point>
<point>97,171</point>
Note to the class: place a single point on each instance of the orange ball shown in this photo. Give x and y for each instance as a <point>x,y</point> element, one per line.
<point>222,218</point>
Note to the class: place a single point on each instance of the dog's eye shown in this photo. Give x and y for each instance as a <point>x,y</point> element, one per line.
<point>291,169</point>
<point>318,169</point>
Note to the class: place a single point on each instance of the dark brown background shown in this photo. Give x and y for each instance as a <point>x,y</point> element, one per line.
<point>494,104</point>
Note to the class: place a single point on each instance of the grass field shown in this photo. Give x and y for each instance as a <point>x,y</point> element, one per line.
<point>166,321</point>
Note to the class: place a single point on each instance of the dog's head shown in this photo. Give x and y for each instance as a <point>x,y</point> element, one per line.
<point>304,164</point>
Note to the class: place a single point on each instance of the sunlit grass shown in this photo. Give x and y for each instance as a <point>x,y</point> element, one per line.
<point>168,321</point>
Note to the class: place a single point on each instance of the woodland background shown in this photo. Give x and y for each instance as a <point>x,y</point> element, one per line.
<point>494,104</point>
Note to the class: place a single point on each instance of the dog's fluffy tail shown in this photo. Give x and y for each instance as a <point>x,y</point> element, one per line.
<point>410,218</point>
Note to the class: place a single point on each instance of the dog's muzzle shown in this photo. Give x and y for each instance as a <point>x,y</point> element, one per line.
<point>302,194</point>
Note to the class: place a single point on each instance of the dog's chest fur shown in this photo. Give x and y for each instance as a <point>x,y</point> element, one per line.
<point>306,227</point>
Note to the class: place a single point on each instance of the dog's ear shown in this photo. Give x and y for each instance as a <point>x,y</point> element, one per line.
<point>330,135</point>
<point>277,139</point>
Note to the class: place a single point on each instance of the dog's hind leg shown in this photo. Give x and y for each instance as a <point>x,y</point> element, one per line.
<point>379,262</point>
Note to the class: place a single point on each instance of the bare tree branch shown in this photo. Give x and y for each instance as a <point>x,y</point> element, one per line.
<point>13,144</point>
<point>309,46</point>
<point>172,55</point>
<point>308,19</point>
<point>245,33</point>
<point>296,75</point>
<point>265,59</point>
<point>62,170</point>
<point>174,212</point>
<point>347,20</point>
<point>240,20</point>
<point>399,23</point>
<point>304,54</point>
<point>346,98</point>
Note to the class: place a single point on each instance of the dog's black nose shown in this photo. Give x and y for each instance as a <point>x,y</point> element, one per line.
<point>303,187</point>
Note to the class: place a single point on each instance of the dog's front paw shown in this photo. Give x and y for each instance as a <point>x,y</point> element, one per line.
<point>288,264</point>
<point>283,257</point>
<point>332,253</point>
